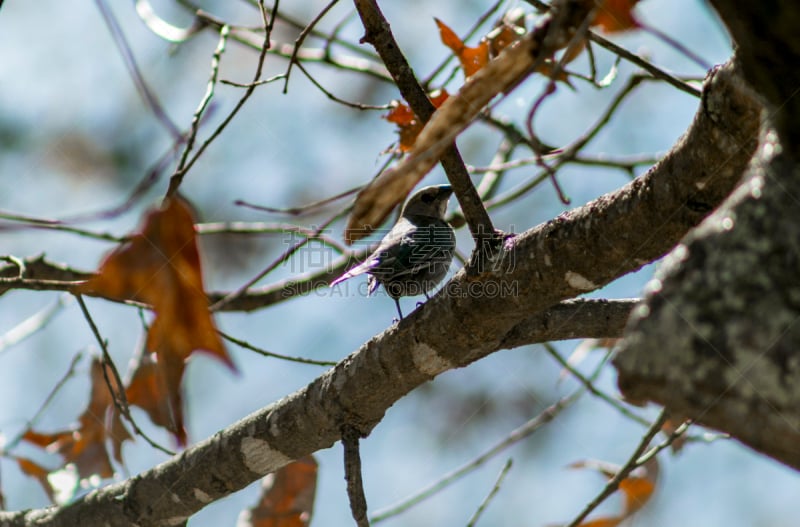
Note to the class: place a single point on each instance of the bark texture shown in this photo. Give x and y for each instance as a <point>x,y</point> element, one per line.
<point>718,337</point>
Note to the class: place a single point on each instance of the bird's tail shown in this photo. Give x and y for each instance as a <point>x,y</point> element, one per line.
<point>355,271</point>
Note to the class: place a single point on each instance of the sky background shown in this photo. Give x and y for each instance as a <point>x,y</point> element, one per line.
<point>75,138</point>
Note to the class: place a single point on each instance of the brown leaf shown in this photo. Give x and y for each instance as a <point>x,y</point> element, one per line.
<point>615,15</point>
<point>161,267</point>
<point>288,497</point>
<point>149,390</point>
<point>39,472</point>
<point>472,58</point>
<point>85,445</point>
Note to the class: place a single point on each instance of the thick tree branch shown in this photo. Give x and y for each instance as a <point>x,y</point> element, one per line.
<point>570,255</point>
<point>724,308</point>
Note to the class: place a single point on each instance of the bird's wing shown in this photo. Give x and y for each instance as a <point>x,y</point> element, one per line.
<point>408,248</point>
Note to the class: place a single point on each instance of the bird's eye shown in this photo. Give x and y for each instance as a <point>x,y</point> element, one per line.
<point>427,198</point>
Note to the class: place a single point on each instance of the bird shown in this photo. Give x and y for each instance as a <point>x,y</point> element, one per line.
<point>416,253</point>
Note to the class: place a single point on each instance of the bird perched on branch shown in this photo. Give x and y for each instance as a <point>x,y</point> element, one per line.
<point>416,253</point>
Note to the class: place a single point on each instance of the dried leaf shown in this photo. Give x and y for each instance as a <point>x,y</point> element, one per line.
<point>408,124</point>
<point>615,15</point>
<point>85,445</point>
<point>149,390</point>
<point>287,499</point>
<point>161,267</point>
<point>472,58</point>
<point>39,472</point>
<point>637,491</point>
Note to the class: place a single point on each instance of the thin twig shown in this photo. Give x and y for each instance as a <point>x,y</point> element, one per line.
<point>623,163</point>
<point>201,108</point>
<point>653,70</point>
<point>547,415</point>
<point>241,227</point>
<point>178,175</point>
<point>573,44</point>
<point>589,385</point>
<point>266,353</point>
<point>150,100</point>
<point>331,96</point>
<point>302,209</point>
<point>627,468</point>
<point>301,38</point>
<point>120,398</point>
<point>571,150</point>
<point>50,396</point>
<point>32,324</point>
<point>492,493</point>
<point>268,80</point>
<point>691,55</point>
<point>352,474</point>
<point>271,267</point>
<point>630,57</point>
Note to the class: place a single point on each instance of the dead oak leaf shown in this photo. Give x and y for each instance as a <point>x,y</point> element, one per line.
<point>161,267</point>
<point>472,58</point>
<point>408,124</point>
<point>85,445</point>
<point>287,498</point>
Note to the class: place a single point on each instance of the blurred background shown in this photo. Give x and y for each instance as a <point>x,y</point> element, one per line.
<point>76,139</point>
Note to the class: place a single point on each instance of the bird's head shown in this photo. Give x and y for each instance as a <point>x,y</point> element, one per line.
<point>429,201</point>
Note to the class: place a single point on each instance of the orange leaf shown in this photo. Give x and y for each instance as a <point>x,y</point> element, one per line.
<point>86,444</point>
<point>408,125</point>
<point>615,15</point>
<point>161,267</point>
<point>603,522</point>
<point>636,489</point>
<point>472,59</point>
<point>288,497</point>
